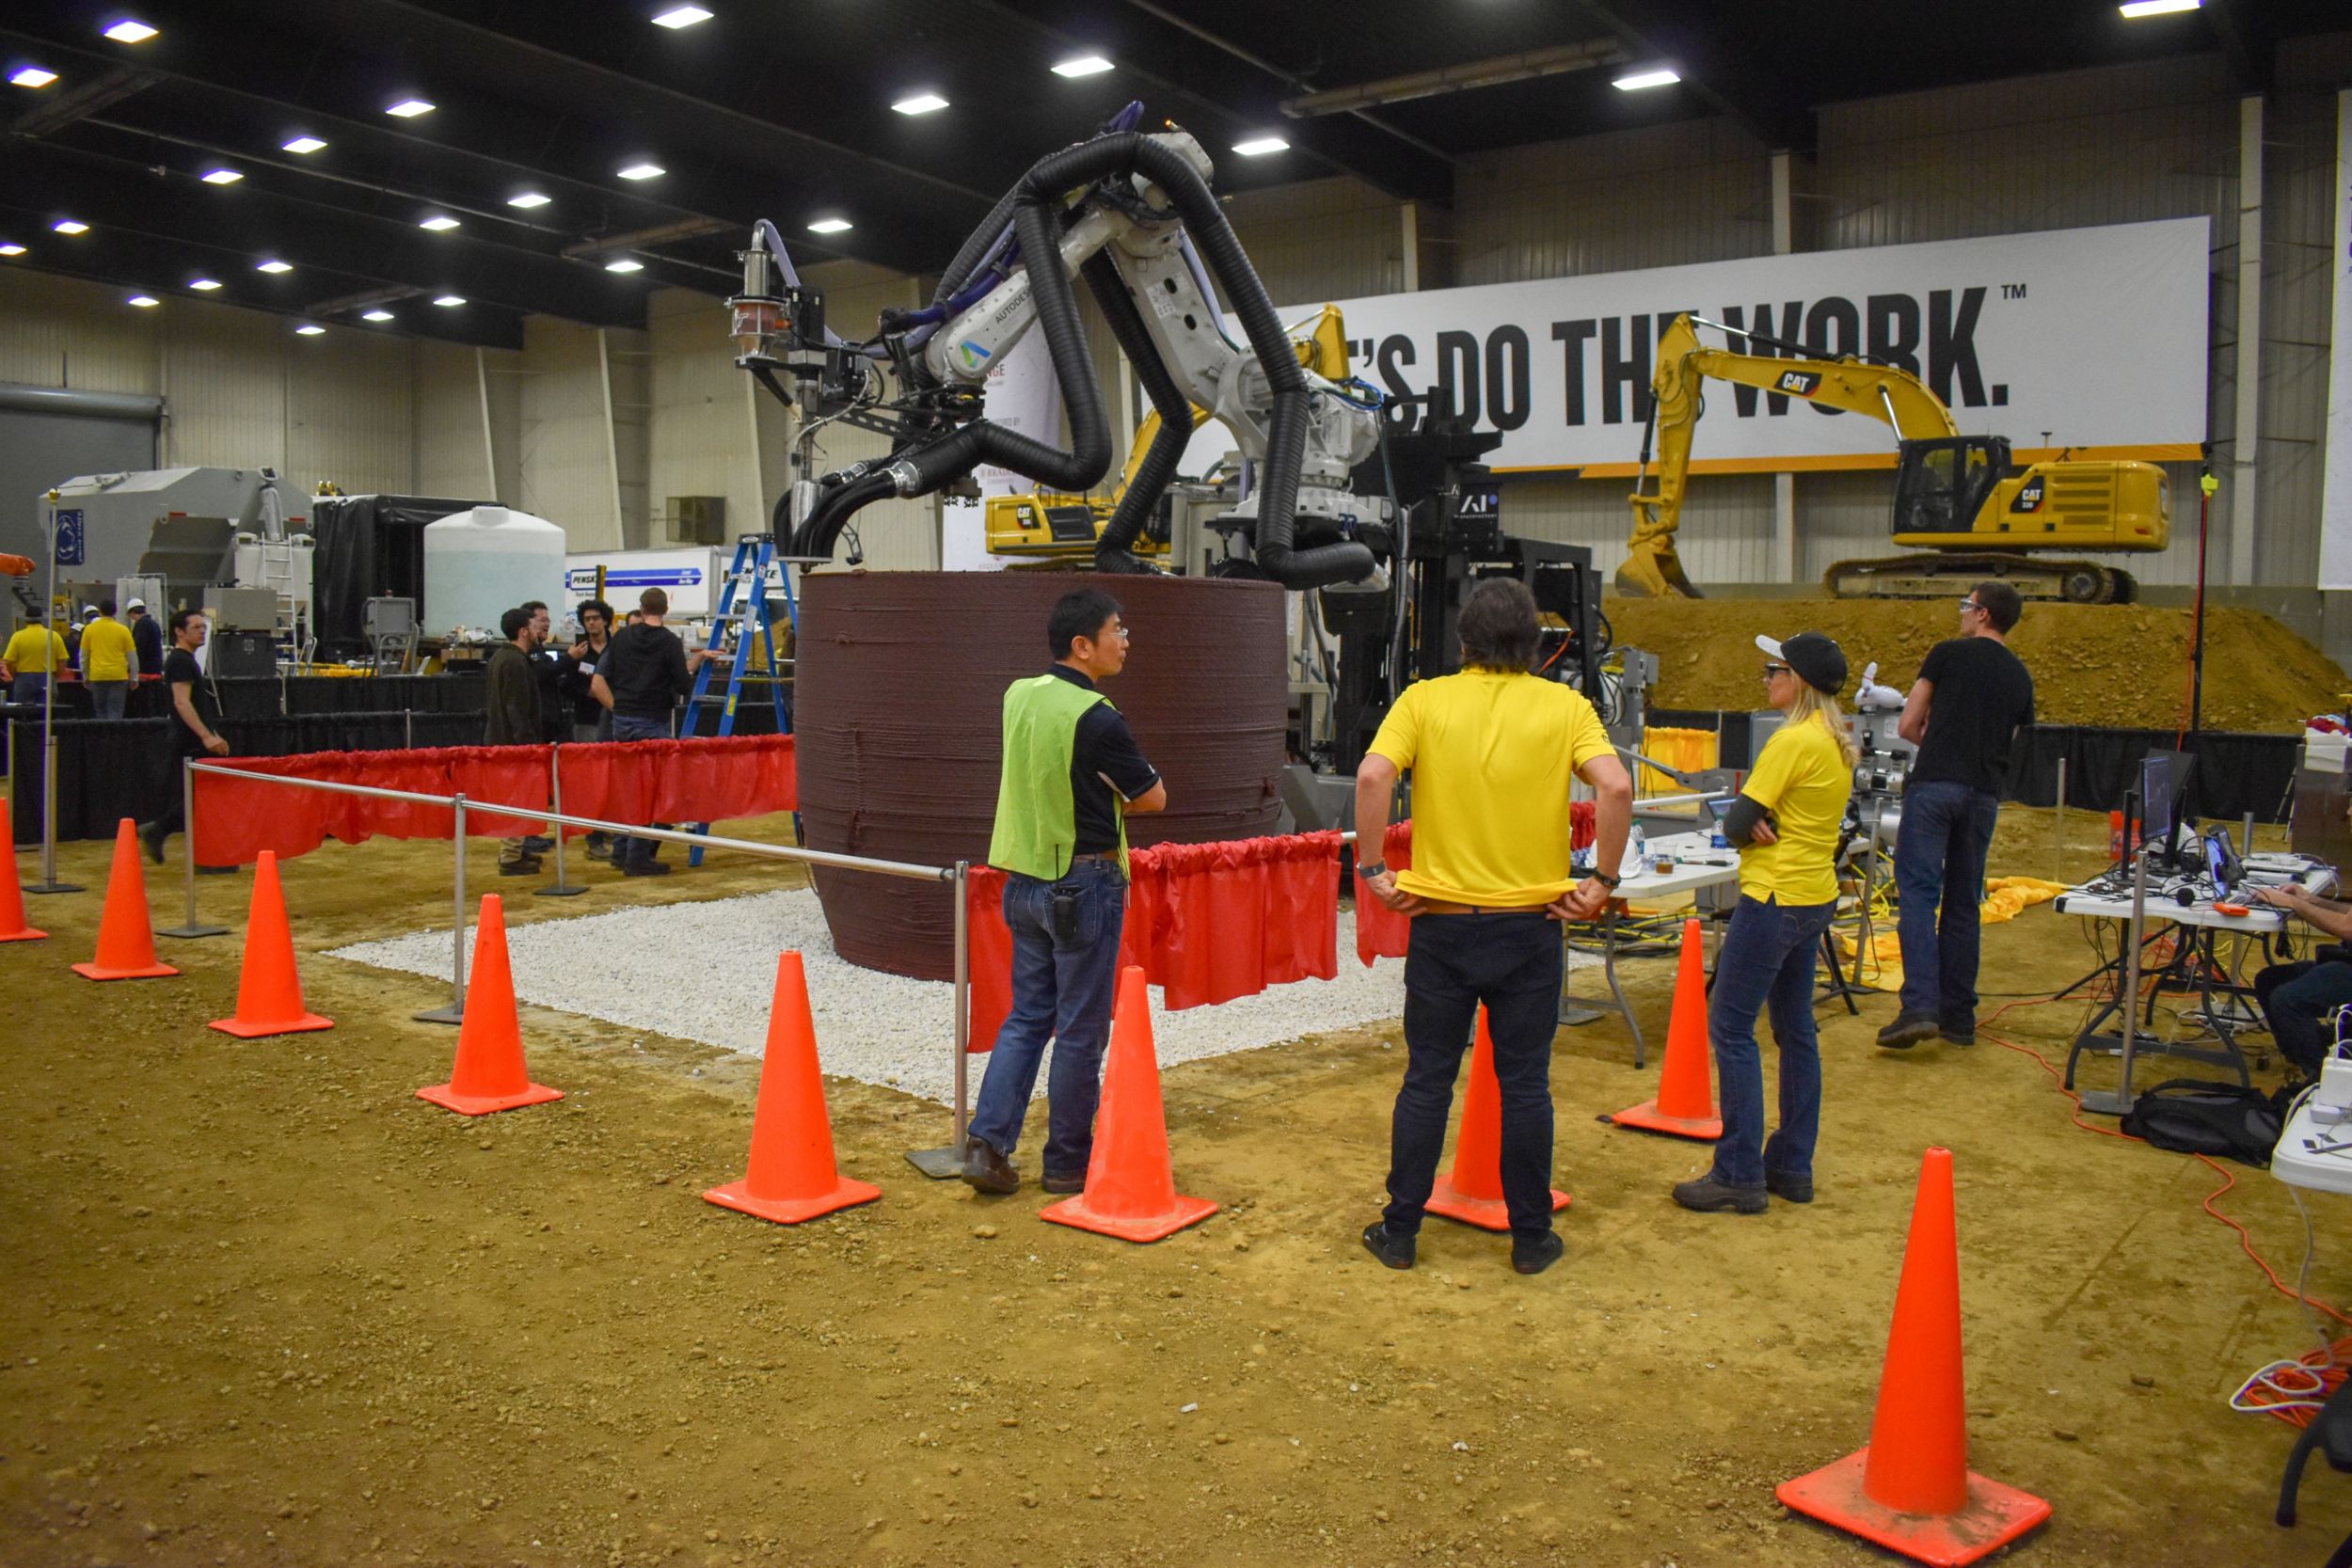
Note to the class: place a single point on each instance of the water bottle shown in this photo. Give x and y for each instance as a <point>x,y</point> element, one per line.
<point>1640,849</point>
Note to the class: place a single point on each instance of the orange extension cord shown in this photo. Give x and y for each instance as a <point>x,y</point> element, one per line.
<point>2291,1390</point>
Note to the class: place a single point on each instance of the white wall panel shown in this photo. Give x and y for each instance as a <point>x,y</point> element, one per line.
<point>63,332</point>
<point>566,448</point>
<point>1325,239</point>
<point>700,432</point>
<point>349,412</point>
<point>451,456</point>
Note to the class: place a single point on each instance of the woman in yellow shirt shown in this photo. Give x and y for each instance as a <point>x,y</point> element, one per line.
<point>1786,821</point>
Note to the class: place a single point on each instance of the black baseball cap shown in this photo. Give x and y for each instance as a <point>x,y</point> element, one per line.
<point>1819,662</point>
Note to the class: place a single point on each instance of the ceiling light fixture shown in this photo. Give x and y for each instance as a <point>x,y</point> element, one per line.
<point>528,199</point>
<point>222,176</point>
<point>71,225</point>
<point>409,108</point>
<point>1258,146</point>
<point>203,285</point>
<point>305,144</point>
<point>32,76</point>
<point>376,316</point>
<point>2135,9</point>
<point>642,171</point>
<point>144,302</point>
<point>440,223</point>
<point>1085,65</point>
<point>625,264</point>
<point>308,329</point>
<point>445,301</point>
<point>921,104</point>
<point>1662,76</point>
<point>681,16</point>
<point>12,249</point>
<point>273,265</point>
<point>129,30</point>
<point>830,225</point>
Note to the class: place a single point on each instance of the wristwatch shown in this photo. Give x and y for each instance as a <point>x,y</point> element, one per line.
<point>1377,868</point>
<point>1607,880</point>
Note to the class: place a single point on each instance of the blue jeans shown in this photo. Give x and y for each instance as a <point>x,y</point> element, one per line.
<point>107,698</point>
<point>29,690</point>
<point>1063,988</point>
<point>1939,859</point>
<point>1511,963</point>
<point>638,851</point>
<point>1767,961</point>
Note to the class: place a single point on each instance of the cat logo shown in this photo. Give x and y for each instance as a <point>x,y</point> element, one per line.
<point>2028,495</point>
<point>1803,384</point>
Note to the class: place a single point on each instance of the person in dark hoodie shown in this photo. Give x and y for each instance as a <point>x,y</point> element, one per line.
<point>510,714</point>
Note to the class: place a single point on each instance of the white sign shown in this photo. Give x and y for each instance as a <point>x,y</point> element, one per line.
<point>2092,339</point>
<point>691,575</point>
<point>1024,397</point>
<point>2335,507</point>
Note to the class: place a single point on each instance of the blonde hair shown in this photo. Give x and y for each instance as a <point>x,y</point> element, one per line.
<point>1814,702</point>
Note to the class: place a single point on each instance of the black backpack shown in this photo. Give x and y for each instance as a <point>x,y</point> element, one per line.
<point>2196,1115</point>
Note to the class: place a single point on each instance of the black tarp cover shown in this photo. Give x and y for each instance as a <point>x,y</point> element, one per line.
<point>369,546</point>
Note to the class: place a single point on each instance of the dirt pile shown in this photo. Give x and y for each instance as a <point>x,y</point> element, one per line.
<point>2122,665</point>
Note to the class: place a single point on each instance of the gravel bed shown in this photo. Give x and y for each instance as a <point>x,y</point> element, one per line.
<point>705,972</point>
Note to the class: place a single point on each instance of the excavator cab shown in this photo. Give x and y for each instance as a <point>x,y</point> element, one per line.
<point>1942,484</point>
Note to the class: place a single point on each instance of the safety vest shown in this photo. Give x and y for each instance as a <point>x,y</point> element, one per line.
<point>1037,815</point>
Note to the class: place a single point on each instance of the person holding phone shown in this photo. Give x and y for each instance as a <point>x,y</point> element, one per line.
<point>1071,775</point>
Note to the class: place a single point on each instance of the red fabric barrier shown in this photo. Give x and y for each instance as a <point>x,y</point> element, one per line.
<point>235,821</point>
<point>499,776</point>
<point>1380,931</point>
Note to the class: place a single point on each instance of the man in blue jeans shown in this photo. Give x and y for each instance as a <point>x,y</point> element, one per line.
<point>1972,697</point>
<point>1072,774</point>
<point>645,671</point>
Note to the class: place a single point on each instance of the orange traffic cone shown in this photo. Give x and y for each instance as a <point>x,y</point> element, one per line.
<point>12,926</point>
<point>1472,1192</point>
<point>269,993</point>
<point>792,1176</point>
<point>1131,1183</point>
<point>126,941</point>
<point>1685,1106</point>
<point>1911,1489</point>
<point>490,1075</point>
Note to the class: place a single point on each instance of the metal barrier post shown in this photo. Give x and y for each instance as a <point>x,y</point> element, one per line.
<point>555,790</point>
<point>455,1011</point>
<point>49,882</point>
<point>2057,861</point>
<point>187,857</point>
<point>942,1163</point>
<point>408,728</point>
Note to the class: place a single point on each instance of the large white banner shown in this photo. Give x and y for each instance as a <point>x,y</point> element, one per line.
<point>2335,538</point>
<point>1024,397</point>
<point>2087,339</point>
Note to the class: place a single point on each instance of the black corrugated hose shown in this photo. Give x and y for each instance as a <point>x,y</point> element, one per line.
<point>1115,550</point>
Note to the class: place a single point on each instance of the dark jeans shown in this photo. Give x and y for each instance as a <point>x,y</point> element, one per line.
<point>108,698</point>
<point>638,851</point>
<point>1063,988</point>
<point>1767,962</point>
<point>2296,1001</point>
<point>1511,963</point>
<point>1939,859</point>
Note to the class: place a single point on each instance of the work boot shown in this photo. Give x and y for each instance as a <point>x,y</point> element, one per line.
<point>152,835</point>
<point>983,1167</point>
<point>1394,1250</point>
<point>647,867</point>
<point>1957,1032</point>
<point>1049,1183</point>
<point>1786,1187</point>
<point>536,844</point>
<point>1710,1197</point>
<point>527,866</point>
<point>1537,1254</point>
<point>1907,1030</point>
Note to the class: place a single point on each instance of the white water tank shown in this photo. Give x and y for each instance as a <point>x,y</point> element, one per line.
<point>482,563</point>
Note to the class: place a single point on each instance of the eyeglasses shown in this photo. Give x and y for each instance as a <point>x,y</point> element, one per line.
<point>1772,670</point>
<point>1967,605</point>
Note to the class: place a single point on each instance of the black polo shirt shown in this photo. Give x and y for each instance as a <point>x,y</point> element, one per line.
<point>1103,757</point>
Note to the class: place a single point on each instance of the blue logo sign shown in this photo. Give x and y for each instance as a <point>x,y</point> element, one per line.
<point>585,578</point>
<point>69,538</point>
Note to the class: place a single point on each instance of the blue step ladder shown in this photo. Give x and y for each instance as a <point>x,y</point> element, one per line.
<point>743,605</point>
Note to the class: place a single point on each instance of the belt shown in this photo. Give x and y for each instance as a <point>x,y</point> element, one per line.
<point>1434,906</point>
<point>1097,855</point>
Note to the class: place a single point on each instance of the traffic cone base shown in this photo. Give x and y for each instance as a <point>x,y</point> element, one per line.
<point>1150,1227</point>
<point>12,926</point>
<point>1647,1117</point>
<point>484,1104</point>
<point>269,992</point>
<point>1993,1515</point>
<point>846,1194</point>
<point>298,1025</point>
<point>98,972</point>
<point>24,934</point>
<point>126,943</point>
<point>1487,1214</point>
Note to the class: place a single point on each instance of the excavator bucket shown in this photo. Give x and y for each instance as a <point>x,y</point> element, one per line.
<point>1652,570</point>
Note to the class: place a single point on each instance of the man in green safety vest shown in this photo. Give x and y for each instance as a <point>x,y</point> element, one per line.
<point>1072,774</point>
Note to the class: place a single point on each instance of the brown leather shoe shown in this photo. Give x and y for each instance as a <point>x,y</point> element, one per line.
<point>1052,1183</point>
<point>987,1170</point>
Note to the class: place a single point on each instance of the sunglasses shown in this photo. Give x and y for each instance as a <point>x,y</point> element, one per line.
<point>1966,605</point>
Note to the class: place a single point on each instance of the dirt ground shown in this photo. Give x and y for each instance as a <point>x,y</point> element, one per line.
<point>2124,665</point>
<point>266,1307</point>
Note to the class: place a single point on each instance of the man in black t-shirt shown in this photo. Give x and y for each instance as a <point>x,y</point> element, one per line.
<point>645,671</point>
<point>195,722</point>
<point>1972,697</point>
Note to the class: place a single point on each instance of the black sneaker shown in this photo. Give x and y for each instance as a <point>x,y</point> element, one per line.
<point>1710,1196</point>
<point>1788,1188</point>
<point>1907,1030</point>
<point>152,835</point>
<point>535,845</point>
<point>1956,1033</point>
<point>643,868</point>
<point>1536,1256</point>
<point>1394,1251</point>
<point>518,868</point>
<point>983,1167</point>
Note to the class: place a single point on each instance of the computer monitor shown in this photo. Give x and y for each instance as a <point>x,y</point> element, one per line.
<point>2222,862</point>
<point>2156,795</point>
<point>2167,785</point>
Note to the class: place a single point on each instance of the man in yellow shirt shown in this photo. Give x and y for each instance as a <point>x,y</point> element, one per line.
<point>1492,751</point>
<point>32,655</point>
<point>108,656</point>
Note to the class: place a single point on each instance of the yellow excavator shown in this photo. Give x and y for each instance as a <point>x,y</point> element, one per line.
<point>1048,528</point>
<point>1958,497</point>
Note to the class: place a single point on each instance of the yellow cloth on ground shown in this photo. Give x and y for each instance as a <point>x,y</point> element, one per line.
<point>1492,753</point>
<point>2004,898</point>
<point>1802,778</point>
<point>1684,751</point>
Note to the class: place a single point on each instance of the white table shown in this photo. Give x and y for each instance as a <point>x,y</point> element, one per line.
<point>1697,864</point>
<point>2297,1166</point>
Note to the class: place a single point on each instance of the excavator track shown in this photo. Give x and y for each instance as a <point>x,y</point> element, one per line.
<point>1936,577</point>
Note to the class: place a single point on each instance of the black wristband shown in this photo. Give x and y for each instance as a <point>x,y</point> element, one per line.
<point>1607,880</point>
<point>1376,868</point>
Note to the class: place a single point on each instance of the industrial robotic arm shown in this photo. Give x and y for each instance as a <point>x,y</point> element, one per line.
<point>1132,215</point>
